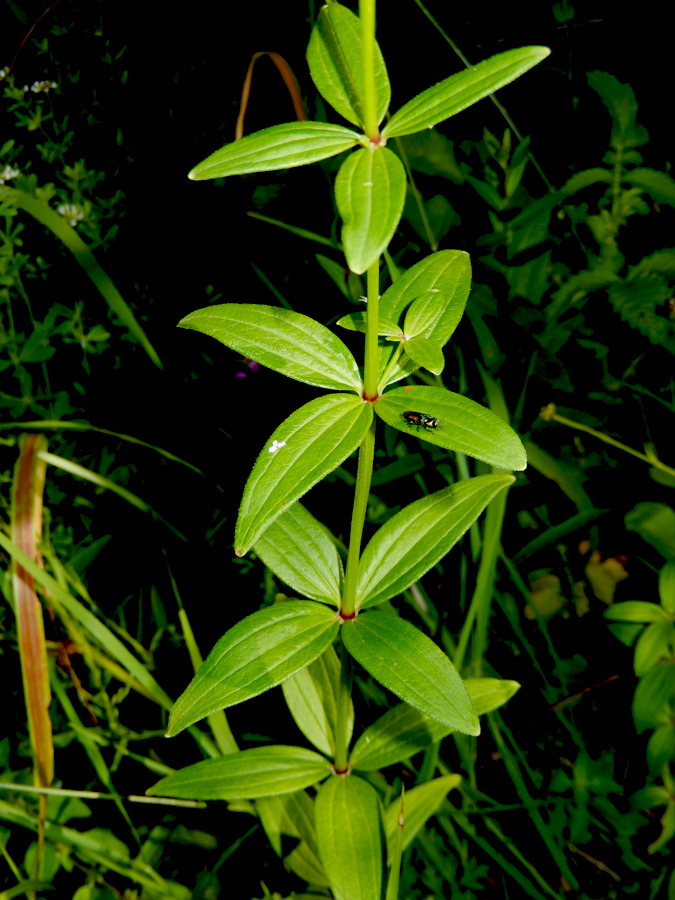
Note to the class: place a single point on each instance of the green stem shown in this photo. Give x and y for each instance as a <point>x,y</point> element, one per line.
<point>367,19</point>
<point>363,477</point>
<point>372,354</point>
<point>343,712</point>
<point>364,472</point>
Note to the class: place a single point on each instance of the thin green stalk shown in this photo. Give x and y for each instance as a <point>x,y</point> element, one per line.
<point>549,413</point>
<point>367,19</point>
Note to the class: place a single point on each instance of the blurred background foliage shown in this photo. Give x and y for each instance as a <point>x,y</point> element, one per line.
<point>567,209</point>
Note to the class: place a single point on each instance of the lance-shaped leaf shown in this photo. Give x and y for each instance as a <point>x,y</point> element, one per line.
<point>288,342</point>
<point>334,58</point>
<point>446,272</point>
<point>421,802</point>
<point>298,549</point>
<point>312,696</point>
<point>312,442</point>
<point>260,652</point>
<point>27,489</point>
<point>436,291</point>
<point>426,354</point>
<point>407,662</point>
<point>419,536</point>
<point>403,730</point>
<point>347,819</point>
<point>454,94</point>
<point>397,735</point>
<point>279,147</point>
<point>465,425</point>
<point>436,314</point>
<point>369,192</point>
<point>258,772</point>
<point>359,322</point>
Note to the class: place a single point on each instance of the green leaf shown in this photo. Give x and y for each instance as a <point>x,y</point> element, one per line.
<point>441,284</point>
<point>463,89</point>
<point>306,864</point>
<point>404,731</point>
<point>658,185</point>
<point>653,645</point>
<point>358,322</point>
<point>408,663</point>
<point>285,341</point>
<point>488,694</point>
<point>298,549</point>
<point>369,192</point>
<point>420,803</point>
<point>279,147</point>
<point>312,442</point>
<point>397,735</point>
<point>312,698</point>
<point>446,272</point>
<point>635,611</point>
<point>436,314</point>
<point>334,58</point>
<point>464,425</point>
<point>347,818</point>
<point>654,696</point>
<point>667,587</point>
<point>258,772</point>
<point>260,652</point>
<point>655,522</point>
<point>426,354</point>
<point>417,537</point>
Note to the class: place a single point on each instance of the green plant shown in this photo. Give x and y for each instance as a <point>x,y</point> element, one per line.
<point>291,643</point>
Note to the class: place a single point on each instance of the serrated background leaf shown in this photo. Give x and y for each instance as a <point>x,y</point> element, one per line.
<point>258,772</point>
<point>465,425</point>
<point>347,818</point>
<point>312,698</point>
<point>417,537</point>
<point>334,58</point>
<point>407,662</point>
<point>297,548</point>
<point>279,147</point>
<point>369,192</point>
<point>280,339</point>
<point>256,654</point>
<point>456,93</point>
<point>312,442</point>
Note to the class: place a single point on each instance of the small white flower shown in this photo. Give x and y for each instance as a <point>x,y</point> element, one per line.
<point>70,212</point>
<point>42,87</point>
<point>4,73</point>
<point>276,445</point>
<point>7,173</point>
